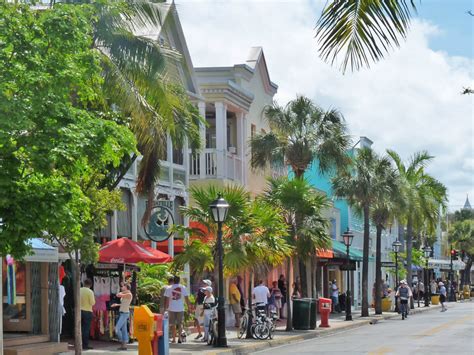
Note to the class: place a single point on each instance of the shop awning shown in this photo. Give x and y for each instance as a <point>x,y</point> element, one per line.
<point>126,251</point>
<point>340,251</point>
<point>42,252</point>
<point>325,253</point>
<point>445,264</point>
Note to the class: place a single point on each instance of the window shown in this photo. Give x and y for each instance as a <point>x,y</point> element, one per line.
<point>253,130</point>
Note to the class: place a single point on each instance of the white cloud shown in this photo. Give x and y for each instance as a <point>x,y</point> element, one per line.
<point>408,102</point>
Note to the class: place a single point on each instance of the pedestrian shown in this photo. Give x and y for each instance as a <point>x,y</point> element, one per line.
<point>404,294</point>
<point>162,294</point>
<point>121,328</point>
<point>442,296</point>
<point>275,296</point>
<point>260,294</point>
<point>234,301</point>
<point>175,296</point>
<point>433,287</point>
<point>198,306</point>
<point>283,290</point>
<point>335,296</point>
<point>209,303</point>
<point>87,302</point>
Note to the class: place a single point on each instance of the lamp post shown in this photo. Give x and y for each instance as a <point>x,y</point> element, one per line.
<point>396,249</point>
<point>427,251</point>
<point>347,236</point>
<point>450,287</point>
<point>219,209</point>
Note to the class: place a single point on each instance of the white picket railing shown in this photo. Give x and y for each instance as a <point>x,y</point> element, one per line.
<point>210,169</point>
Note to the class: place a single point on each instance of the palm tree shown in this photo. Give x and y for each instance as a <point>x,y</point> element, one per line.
<point>362,30</point>
<point>383,211</point>
<point>422,196</point>
<point>362,186</point>
<point>301,133</point>
<point>302,209</point>
<point>461,234</point>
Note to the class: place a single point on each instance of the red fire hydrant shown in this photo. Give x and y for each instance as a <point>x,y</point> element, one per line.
<point>324,310</point>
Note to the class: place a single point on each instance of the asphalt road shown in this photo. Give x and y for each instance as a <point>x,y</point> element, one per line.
<point>434,332</point>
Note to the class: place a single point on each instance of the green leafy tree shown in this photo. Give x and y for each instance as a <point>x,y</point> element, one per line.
<point>302,207</point>
<point>301,132</point>
<point>422,196</point>
<point>152,279</point>
<point>461,234</point>
<point>58,136</point>
<point>363,185</point>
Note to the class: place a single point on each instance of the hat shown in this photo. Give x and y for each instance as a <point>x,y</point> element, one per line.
<point>207,282</point>
<point>441,284</point>
<point>208,289</point>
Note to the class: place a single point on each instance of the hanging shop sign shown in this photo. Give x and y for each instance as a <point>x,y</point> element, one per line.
<point>161,220</point>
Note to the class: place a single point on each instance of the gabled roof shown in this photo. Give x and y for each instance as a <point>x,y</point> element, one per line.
<point>256,59</point>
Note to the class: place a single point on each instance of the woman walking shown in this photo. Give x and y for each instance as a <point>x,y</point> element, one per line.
<point>124,313</point>
<point>208,304</point>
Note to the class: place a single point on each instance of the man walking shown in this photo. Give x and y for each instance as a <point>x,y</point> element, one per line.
<point>174,303</point>
<point>87,302</point>
<point>335,297</point>
<point>442,296</point>
<point>234,300</point>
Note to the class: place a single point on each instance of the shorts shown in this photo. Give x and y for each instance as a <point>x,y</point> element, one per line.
<point>404,301</point>
<point>278,302</point>
<point>197,314</point>
<point>236,308</point>
<point>175,318</point>
<point>442,298</point>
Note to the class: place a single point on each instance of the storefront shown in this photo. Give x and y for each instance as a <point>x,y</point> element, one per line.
<point>30,297</point>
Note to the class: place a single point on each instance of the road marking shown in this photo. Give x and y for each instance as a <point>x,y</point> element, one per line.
<point>441,327</point>
<point>381,351</point>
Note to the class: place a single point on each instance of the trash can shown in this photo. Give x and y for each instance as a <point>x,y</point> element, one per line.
<point>301,313</point>
<point>434,299</point>
<point>312,318</point>
<point>164,342</point>
<point>324,308</point>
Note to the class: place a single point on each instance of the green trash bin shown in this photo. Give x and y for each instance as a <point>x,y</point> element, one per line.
<point>312,318</point>
<point>301,313</point>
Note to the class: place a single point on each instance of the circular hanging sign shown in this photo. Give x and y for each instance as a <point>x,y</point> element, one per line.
<point>161,220</point>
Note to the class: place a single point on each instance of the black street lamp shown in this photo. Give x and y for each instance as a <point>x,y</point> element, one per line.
<point>396,249</point>
<point>427,251</point>
<point>219,209</point>
<point>347,236</point>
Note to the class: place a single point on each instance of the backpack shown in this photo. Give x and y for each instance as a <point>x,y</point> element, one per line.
<point>403,293</point>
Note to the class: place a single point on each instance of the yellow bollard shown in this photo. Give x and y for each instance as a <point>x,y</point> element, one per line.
<point>144,326</point>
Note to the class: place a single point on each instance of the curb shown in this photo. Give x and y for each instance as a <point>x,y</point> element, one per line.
<point>265,344</point>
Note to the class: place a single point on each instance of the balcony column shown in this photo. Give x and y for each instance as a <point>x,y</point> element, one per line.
<point>113,229</point>
<point>134,216</point>
<point>241,144</point>
<point>221,139</point>
<point>202,134</point>
<point>171,239</point>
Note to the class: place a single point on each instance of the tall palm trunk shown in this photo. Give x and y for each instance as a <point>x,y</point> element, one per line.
<point>289,323</point>
<point>365,263</point>
<point>467,272</point>
<point>303,278</point>
<point>378,271</point>
<point>409,241</point>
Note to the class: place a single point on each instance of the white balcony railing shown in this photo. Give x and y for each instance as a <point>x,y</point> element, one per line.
<point>215,165</point>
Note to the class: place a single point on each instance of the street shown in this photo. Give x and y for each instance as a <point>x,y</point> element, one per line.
<point>433,332</point>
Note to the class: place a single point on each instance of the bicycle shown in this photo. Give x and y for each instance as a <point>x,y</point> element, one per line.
<point>244,321</point>
<point>212,336</point>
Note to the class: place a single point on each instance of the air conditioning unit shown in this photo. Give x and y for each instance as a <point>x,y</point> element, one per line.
<point>232,150</point>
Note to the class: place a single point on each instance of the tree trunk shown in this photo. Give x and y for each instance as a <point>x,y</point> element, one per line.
<point>467,272</point>
<point>249,304</point>
<point>302,274</point>
<point>289,323</point>
<point>378,271</point>
<point>365,263</point>
<point>77,307</point>
<point>409,239</point>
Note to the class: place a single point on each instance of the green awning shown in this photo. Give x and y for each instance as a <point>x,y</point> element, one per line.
<point>340,250</point>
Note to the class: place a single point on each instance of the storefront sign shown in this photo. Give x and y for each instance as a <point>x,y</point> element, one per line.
<point>388,264</point>
<point>161,220</point>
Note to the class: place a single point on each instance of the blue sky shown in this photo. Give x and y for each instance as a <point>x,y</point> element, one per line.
<point>455,23</point>
<point>409,101</point>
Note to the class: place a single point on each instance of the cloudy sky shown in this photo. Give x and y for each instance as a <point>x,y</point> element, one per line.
<point>408,102</point>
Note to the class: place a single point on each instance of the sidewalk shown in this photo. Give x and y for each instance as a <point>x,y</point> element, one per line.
<point>247,346</point>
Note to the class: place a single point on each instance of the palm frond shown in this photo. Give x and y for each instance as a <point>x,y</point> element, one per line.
<point>266,150</point>
<point>362,30</point>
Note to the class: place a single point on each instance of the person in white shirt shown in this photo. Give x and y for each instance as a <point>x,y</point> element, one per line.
<point>261,294</point>
<point>208,307</point>
<point>335,297</point>
<point>174,303</point>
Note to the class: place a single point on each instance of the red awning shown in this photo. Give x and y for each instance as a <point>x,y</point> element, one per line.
<point>126,251</point>
<point>324,253</point>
